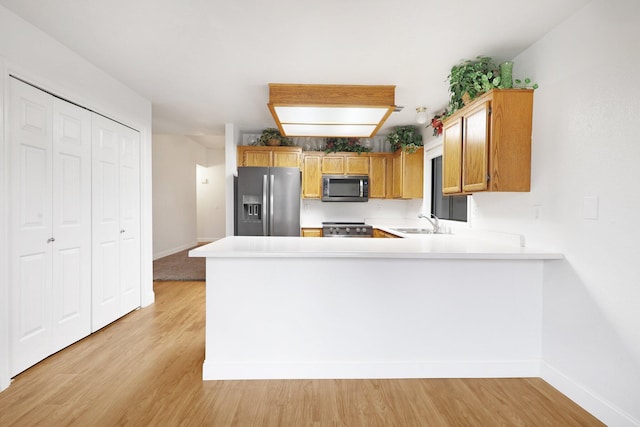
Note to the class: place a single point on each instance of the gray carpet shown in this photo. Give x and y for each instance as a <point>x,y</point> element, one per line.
<point>179,267</point>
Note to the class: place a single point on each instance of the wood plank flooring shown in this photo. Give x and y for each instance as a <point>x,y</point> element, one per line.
<point>146,369</point>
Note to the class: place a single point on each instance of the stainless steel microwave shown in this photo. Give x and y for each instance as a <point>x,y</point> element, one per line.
<point>345,188</point>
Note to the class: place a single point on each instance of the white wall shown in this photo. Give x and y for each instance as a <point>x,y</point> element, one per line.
<point>210,197</point>
<point>314,212</point>
<point>174,193</point>
<point>586,143</point>
<point>231,141</point>
<point>33,56</point>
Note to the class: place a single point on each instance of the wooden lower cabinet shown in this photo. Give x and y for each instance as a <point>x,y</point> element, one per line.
<point>311,232</point>
<point>377,233</point>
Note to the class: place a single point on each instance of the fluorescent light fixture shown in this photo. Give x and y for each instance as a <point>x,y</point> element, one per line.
<point>328,130</point>
<point>330,110</point>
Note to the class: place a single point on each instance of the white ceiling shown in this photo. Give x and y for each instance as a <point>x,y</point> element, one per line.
<point>204,63</point>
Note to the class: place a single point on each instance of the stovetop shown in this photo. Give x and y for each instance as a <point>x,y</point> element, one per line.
<point>346,229</point>
<point>342,223</point>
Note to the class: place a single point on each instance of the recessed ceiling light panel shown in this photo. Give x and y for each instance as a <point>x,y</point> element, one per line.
<point>334,110</point>
<point>332,115</point>
<point>329,130</point>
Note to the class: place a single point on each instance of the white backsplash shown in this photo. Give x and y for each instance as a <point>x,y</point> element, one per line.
<point>314,212</point>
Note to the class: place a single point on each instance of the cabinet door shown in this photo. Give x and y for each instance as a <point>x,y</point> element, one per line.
<point>312,232</point>
<point>378,177</point>
<point>257,158</point>
<point>452,157</point>
<point>286,159</point>
<point>408,174</point>
<point>396,183</point>
<point>311,177</point>
<point>30,292</point>
<point>476,149</point>
<point>333,165</point>
<point>71,223</point>
<point>377,233</point>
<point>357,165</point>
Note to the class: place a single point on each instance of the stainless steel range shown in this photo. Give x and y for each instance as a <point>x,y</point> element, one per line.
<point>346,229</point>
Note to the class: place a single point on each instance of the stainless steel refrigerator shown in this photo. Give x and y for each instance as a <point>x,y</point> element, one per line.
<point>268,201</point>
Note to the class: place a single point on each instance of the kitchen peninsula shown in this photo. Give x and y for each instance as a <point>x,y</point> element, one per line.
<point>433,306</point>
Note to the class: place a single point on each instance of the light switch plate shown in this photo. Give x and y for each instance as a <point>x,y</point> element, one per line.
<point>590,207</point>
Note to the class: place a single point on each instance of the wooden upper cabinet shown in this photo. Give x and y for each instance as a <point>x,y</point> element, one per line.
<point>452,157</point>
<point>475,175</point>
<point>269,156</point>
<point>317,163</point>
<point>408,174</point>
<point>345,163</point>
<point>333,165</point>
<point>253,157</point>
<point>290,159</point>
<point>357,164</point>
<point>494,132</point>
<point>312,176</point>
<point>378,166</point>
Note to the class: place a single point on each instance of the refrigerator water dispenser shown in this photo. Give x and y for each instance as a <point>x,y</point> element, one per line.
<point>251,208</point>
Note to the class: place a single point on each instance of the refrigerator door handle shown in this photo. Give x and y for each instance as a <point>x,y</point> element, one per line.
<point>265,231</point>
<point>271,204</point>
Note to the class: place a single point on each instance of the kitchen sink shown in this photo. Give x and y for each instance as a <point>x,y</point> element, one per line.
<point>413,230</point>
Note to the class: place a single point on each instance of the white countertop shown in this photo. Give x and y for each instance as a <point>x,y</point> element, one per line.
<point>440,246</point>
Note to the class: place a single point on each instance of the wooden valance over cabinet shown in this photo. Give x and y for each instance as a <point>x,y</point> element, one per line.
<point>487,144</point>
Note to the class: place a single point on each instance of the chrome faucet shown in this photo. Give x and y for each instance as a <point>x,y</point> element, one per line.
<point>435,224</point>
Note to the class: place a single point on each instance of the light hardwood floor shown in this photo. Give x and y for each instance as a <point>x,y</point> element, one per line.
<point>146,370</point>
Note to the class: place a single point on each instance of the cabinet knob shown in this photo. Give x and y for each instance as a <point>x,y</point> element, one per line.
<point>122,231</point>
<point>51,239</point>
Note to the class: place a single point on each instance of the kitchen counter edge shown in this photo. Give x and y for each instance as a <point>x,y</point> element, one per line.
<point>434,247</point>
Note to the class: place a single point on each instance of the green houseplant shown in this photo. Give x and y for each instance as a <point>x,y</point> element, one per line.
<point>405,137</point>
<point>273,137</point>
<point>345,144</point>
<point>471,77</point>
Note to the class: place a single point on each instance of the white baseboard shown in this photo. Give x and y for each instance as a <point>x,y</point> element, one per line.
<point>174,250</point>
<point>593,403</point>
<point>360,370</point>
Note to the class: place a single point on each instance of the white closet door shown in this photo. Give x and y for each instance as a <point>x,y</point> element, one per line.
<point>30,136</point>
<point>116,221</point>
<point>105,223</point>
<point>130,269</point>
<point>71,223</point>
